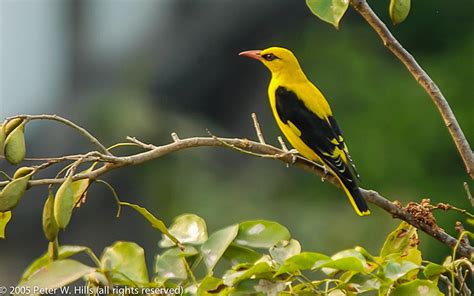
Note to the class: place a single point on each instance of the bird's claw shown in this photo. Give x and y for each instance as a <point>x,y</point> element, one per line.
<point>326,172</point>
<point>293,153</point>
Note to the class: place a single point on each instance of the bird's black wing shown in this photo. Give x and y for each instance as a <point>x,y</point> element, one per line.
<point>321,135</point>
<point>340,138</point>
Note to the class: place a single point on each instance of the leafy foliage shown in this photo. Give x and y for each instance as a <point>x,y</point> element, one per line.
<point>4,219</point>
<point>399,10</point>
<point>330,11</point>
<point>253,257</point>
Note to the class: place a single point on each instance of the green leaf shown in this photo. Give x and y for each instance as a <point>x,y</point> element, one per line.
<point>97,279</point>
<point>261,234</point>
<point>330,11</point>
<point>15,147</point>
<point>363,282</point>
<point>188,229</point>
<point>2,138</point>
<point>413,255</point>
<point>170,265</point>
<point>155,223</point>
<point>432,271</point>
<point>244,288</point>
<point>269,287</point>
<point>400,240</point>
<point>13,192</point>
<point>57,274</point>
<point>186,251</point>
<point>210,286</point>
<point>64,203</point>
<point>50,227</point>
<point>63,253</point>
<point>284,250</point>
<point>366,254</point>
<point>233,277</point>
<point>344,260</point>
<point>337,292</point>
<point>126,263</point>
<point>237,254</point>
<point>394,270</point>
<point>302,289</point>
<point>79,187</point>
<point>399,10</point>
<point>470,221</point>
<point>348,263</point>
<point>417,288</point>
<point>4,219</point>
<point>23,171</point>
<point>213,249</point>
<point>12,124</point>
<point>303,261</point>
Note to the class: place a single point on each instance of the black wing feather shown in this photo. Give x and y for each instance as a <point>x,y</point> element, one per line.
<point>340,138</point>
<point>316,132</point>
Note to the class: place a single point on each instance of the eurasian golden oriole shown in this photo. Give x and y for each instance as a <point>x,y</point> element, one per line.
<point>306,120</point>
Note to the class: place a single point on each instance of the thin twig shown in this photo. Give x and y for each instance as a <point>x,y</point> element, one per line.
<point>243,150</point>
<point>87,157</point>
<point>114,193</point>
<point>468,192</point>
<point>282,143</point>
<point>189,270</point>
<point>7,177</point>
<point>293,152</point>
<point>462,281</point>
<point>45,158</point>
<point>67,122</point>
<point>448,284</point>
<point>447,207</point>
<point>122,145</point>
<point>256,124</point>
<point>363,8</point>
<point>141,144</point>
<point>453,257</point>
<point>175,137</point>
<point>460,229</point>
<point>92,156</point>
<point>283,147</point>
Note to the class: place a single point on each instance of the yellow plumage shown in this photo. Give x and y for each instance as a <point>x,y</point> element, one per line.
<point>306,120</point>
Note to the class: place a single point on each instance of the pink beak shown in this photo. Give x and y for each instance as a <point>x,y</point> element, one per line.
<point>253,54</point>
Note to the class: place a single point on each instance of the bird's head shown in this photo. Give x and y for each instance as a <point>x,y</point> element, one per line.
<point>277,59</point>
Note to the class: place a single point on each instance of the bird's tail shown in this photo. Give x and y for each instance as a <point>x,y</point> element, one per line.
<point>356,199</point>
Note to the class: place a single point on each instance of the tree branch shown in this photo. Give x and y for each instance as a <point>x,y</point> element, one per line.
<point>363,8</point>
<point>263,150</point>
<point>67,122</point>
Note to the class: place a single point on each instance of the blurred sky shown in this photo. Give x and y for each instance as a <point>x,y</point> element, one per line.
<point>146,68</point>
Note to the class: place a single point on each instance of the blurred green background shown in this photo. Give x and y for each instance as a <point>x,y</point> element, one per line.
<point>147,68</point>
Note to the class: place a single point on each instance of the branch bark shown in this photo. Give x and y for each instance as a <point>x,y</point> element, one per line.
<point>263,150</point>
<point>67,122</point>
<point>467,155</point>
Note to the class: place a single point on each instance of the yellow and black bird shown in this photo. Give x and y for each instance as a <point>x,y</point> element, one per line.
<point>306,120</point>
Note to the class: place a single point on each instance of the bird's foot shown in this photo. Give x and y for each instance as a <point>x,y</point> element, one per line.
<point>293,153</point>
<point>326,172</point>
